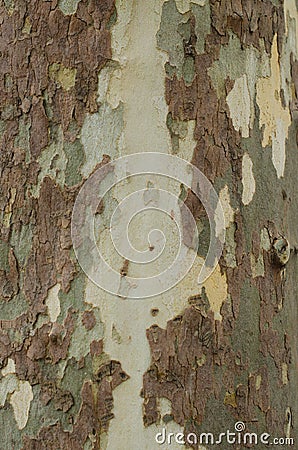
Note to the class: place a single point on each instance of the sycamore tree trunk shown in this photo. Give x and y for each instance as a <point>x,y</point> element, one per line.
<point>213,82</point>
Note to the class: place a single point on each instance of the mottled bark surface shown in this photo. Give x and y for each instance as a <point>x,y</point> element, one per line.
<point>249,369</point>
<point>214,82</point>
<point>49,71</point>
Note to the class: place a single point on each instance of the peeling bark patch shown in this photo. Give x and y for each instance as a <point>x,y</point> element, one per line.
<point>9,368</point>
<point>248,181</point>
<point>94,414</point>
<point>68,7</point>
<point>181,367</point>
<point>224,198</point>
<point>64,76</point>
<point>184,5</point>
<point>20,401</point>
<point>239,104</point>
<point>253,22</point>
<point>53,303</point>
<point>217,290</point>
<point>89,320</point>
<point>100,135</point>
<point>273,116</point>
<point>49,256</point>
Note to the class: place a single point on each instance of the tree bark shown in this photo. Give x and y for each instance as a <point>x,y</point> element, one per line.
<point>83,83</point>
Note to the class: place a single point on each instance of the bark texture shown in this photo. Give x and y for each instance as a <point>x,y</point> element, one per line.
<point>83,82</point>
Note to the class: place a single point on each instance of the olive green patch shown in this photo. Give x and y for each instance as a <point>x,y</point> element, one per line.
<point>170,35</point>
<point>68,7</point>
<point>75,158</point>
<point>4,248</point>
<point>203,24</point>
<point>64,76</point>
